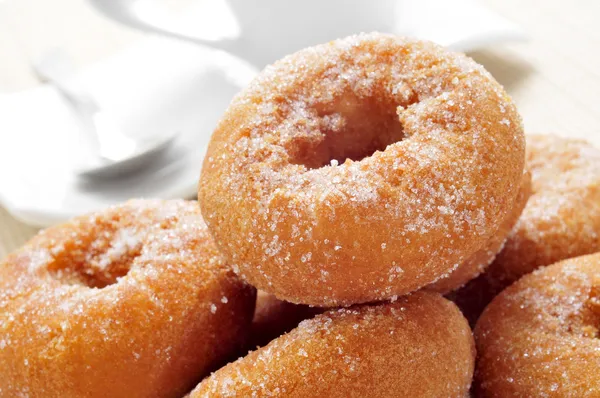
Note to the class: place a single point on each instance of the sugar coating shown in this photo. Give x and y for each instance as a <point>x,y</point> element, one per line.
<point>118,303</point>
<point>352,155</point>
<point>541,336</point>
<point>480,260</point>
<point>419,346</point>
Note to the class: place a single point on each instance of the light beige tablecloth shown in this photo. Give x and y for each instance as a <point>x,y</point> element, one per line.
<point>554,78</point>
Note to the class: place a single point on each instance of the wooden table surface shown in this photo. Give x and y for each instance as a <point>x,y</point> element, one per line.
<point>554,77</point>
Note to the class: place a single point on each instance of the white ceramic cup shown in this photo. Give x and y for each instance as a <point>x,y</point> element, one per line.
<point>271,29</point>
<point>264,30</point>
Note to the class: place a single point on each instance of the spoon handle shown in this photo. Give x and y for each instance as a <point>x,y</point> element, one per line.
<point>57,68</point>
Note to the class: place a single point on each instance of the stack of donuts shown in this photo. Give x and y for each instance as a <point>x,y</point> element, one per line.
<point>380,194</point>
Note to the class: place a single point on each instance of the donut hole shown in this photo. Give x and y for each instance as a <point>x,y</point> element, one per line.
<point>349,128</point>
<point>97,259</point>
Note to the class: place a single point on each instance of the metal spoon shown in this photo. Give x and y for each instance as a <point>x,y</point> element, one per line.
<point>118,154</point>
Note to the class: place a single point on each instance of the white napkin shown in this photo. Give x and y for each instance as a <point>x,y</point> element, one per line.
<point>161,85</point>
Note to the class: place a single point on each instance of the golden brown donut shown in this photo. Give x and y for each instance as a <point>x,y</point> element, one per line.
<point>133,301</point>
<point>541,336</point>
<point>361,169</point>
<point>418,346</point>
<point>274,317</point>
<point>561,219</point>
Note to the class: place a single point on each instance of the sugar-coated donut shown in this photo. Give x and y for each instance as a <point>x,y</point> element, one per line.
<point>561,219</point>
<point>361,169</point>
<point>133,301</point>
<point>478,262</point>
<point>418,346</point>
<point>274,317</point>
<point>541,336</point>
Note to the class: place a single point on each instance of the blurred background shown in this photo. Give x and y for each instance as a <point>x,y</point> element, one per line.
<point>87,84</point>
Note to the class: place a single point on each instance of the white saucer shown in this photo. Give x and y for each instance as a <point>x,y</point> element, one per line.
<point>157,86</point>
